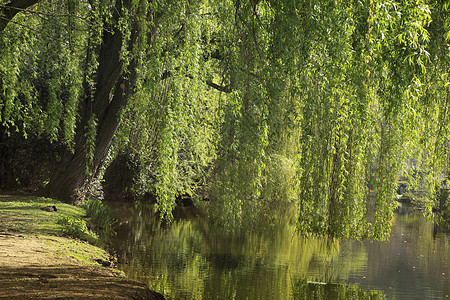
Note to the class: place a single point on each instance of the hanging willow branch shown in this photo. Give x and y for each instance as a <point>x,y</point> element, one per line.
<point>8,11</point>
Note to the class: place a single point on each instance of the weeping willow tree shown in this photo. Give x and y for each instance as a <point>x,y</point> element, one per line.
<point>252,103</point>
<point>339,92</point>
<point>98,61</point>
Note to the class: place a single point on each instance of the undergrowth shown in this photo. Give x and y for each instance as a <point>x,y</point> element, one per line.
<point>101,216</point>
<point>76,227</point>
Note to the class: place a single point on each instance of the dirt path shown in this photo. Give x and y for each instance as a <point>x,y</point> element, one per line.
<point>39,266</point>
<point>32,268</point>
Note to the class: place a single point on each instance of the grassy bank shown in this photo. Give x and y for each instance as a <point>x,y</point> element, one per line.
<point>23,216</point>
<point>53,253</point>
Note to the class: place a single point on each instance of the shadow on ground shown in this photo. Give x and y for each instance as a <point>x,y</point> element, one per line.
<point>68,282</point>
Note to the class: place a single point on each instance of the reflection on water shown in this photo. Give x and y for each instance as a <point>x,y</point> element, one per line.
<point>303,289</point>
<point>189,260</point>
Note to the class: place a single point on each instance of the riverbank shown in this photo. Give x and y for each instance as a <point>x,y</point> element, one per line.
<point>39,260</point>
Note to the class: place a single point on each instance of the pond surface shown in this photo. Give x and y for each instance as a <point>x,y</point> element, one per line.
<point>189,260</point>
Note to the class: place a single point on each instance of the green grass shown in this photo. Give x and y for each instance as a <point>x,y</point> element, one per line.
<point>19,214</point>
<point>64,231</point>
<point>79,250</point>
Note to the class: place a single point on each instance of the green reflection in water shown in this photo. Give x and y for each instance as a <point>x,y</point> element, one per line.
<point>303,289</point>
<point>190,260</point>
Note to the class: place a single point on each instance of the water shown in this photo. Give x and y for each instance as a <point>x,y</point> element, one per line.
<point>189,260</point>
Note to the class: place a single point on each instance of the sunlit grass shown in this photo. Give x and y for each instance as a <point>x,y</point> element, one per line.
<point>24,215</point>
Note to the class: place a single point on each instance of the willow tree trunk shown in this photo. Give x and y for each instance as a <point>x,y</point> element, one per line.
<point>71,179</point>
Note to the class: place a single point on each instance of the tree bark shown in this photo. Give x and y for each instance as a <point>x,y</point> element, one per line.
<point>71,180</point>
<point>113,89</point>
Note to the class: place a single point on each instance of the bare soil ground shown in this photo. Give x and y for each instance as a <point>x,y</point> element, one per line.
<point>50,267</point>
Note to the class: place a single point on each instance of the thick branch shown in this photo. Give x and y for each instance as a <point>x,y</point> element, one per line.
<point>8,11</point>
<point>220,88</point>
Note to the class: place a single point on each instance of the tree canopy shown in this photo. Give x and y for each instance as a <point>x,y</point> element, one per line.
<point>246,103</point>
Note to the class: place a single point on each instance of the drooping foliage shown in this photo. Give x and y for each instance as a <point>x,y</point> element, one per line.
<point>246,103</point>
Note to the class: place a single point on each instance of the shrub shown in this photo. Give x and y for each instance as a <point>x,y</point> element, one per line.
<point>74,227</point>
